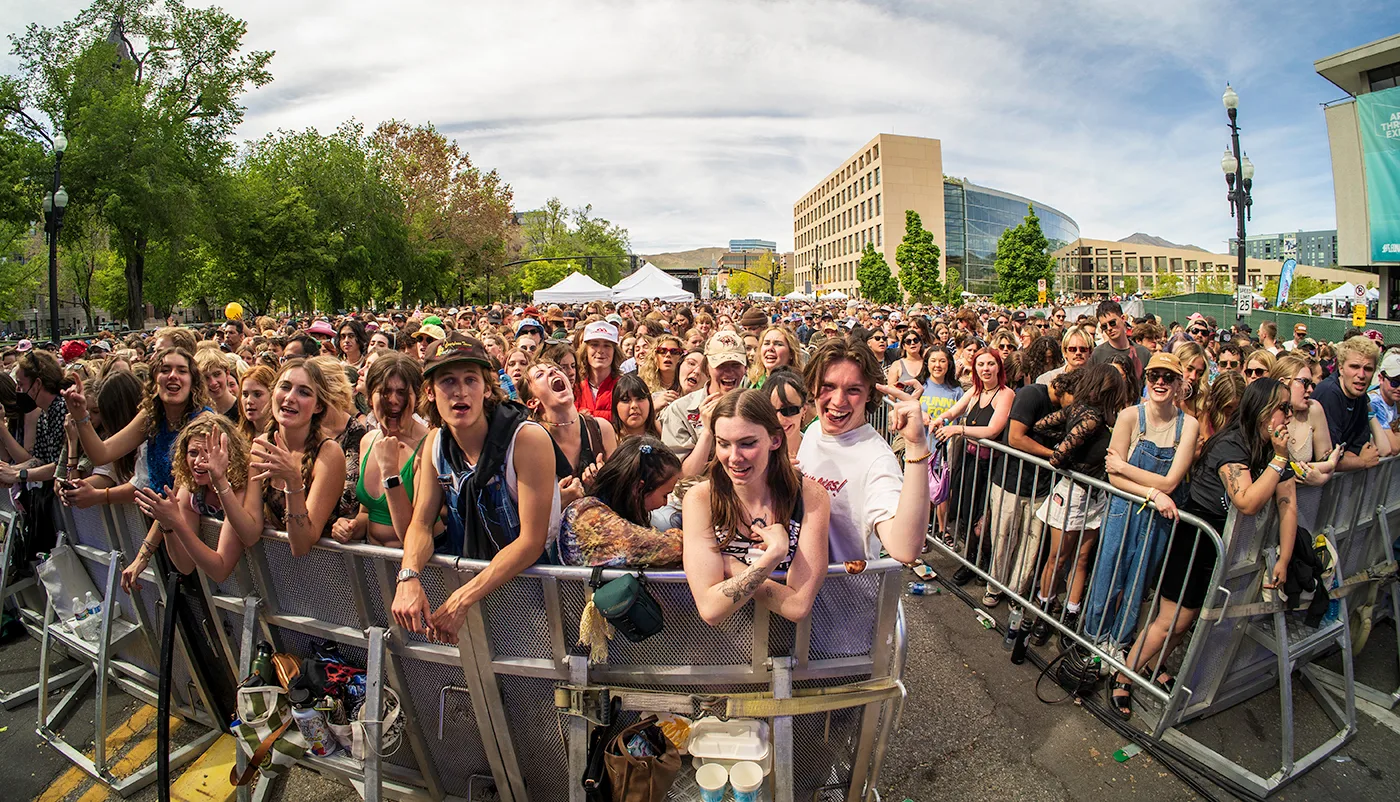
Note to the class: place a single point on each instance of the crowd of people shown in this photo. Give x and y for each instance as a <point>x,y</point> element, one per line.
<point>734,440</point>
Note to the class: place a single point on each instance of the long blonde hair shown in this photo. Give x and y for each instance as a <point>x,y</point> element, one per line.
<point>650,371</point>
<point>201,427</point>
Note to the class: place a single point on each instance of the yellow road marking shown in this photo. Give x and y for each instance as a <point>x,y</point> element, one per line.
<point>69,780</point>
<point>139,754</point>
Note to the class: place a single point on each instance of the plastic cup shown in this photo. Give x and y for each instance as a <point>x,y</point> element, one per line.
<point>712,778</point>
<point>747,779</point>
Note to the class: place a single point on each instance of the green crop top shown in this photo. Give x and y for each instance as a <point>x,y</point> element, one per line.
<point>378,506</point>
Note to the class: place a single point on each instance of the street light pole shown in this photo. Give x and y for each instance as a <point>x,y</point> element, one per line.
<point>1239,179</point>
<point>55,203</point>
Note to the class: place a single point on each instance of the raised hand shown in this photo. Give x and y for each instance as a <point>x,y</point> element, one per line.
<point>386,456</point>
<point>216,455</point>
<point>162,507</point>
<point>273,460</point>
<point>905,416</point>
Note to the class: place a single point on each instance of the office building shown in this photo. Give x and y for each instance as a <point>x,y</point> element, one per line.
<point>1315,248</point>
<point>1361,132</point>
<point>864,200</point>
<point>752,245</point>
<point>1099,268</point>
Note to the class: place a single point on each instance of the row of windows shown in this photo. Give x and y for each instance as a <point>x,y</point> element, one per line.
<point>867,209</point>
<point>857,164</point>
<point>1385,77</point>
<point>845,271</point>
<point>1131,264</point>
<point>849,244</point>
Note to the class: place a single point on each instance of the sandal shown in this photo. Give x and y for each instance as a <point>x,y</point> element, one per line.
<point>1118,704</point>
<point>1166,682</point>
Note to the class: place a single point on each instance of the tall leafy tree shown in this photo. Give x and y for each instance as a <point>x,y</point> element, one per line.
<point>952,288</point>
<point>555,231</point>
<point>1166,283</point>
<point>1023,259</point>
<point>148,94</point>
<point>917,257</point>
<point>876,283</point>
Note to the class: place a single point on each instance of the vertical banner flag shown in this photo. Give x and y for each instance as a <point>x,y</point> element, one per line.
<point>1378,114</point>
<point>1285,281</point>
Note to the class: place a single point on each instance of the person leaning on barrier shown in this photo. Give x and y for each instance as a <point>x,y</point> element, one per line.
<point>1309,440</point>
<point>1245,465</point>
<point>117,400</point>
<point>1344,400</point>
<point>754,515</point>
<point>392,384</point>
<point>33,464</point>
<point>1385,423</point>
<point>614,524</point>
<point>873,503</point>
<point>489,471</point>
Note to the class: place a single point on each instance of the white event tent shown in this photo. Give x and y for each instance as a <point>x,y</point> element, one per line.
<point>1346,292</point>
<point>576,288</point>
<point>651,283</point>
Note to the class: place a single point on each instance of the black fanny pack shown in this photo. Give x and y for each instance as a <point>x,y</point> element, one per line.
<point>627,605</point>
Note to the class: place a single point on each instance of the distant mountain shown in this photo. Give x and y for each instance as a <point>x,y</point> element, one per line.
<point>1147,239</point>
<point>699,258</point>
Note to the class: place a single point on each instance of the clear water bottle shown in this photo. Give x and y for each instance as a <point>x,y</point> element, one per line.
<point>1013,628</point>
<point>92,605</point>
<point>79,610</point>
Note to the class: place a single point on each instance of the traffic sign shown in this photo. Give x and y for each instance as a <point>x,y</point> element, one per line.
<point>1042,297</point>
<point>1358,315</point>
<point>1360,293</point>
<point>1243,300</point>
<point>1042,286</point>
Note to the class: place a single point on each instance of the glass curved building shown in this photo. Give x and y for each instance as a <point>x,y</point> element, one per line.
<point>974,218</point>
<point>866,203</point>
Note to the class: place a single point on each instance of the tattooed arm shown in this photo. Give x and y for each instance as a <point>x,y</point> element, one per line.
<point>1286,496</point>
<point>716,597</point>
<point>1249,495</point>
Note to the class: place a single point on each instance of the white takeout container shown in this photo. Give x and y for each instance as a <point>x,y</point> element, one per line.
<point>730,742</point>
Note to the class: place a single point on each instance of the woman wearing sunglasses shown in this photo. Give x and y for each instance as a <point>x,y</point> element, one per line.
<point>1257,365</point>
<point>1151,435</point>
<point>909,371</point>
<point>661,371</point>
<point>1308,435</point>
<point>788,392</point>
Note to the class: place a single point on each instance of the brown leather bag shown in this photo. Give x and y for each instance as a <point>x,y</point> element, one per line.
<point>642,779</point>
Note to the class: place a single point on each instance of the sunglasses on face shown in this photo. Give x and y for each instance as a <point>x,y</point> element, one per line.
<point>790,411</point>
<point>879,337</point>
<point>1161,377</point>
<point>1255,373</point>
<point>1393,381</point>
<point>1076,349</point>
<point>1228,365</point>
<point>1308,384</point>
<point>1109,324</point>
<point>912,341</point>
<point>664,351</point>
<point>1198,332</point>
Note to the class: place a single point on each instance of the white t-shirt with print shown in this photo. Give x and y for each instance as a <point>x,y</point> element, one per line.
<point>861,474</point>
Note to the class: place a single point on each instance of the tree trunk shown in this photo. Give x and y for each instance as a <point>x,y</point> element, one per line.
<point>135,278</point>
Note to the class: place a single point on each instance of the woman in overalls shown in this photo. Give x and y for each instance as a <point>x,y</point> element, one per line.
<point>1134,538</point>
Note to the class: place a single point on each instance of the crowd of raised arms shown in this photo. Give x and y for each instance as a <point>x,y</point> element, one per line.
<point>727,438</point>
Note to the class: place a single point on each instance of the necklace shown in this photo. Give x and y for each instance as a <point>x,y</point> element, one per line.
<point>554,425</point>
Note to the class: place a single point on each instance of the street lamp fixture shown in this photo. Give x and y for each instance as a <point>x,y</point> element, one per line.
<point>1239,182</point>
<point>55,204</point>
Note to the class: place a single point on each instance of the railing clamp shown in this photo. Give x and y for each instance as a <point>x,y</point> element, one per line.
<point>589,703</point>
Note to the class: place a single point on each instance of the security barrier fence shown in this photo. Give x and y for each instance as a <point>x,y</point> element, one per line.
<point>1320,328</point>
<point>1242,644</point>
<point>483,713</point>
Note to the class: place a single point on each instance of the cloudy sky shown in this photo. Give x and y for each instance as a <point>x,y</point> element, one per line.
<point>691,123</point>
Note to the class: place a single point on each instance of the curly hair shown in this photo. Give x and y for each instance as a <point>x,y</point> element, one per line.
<point>650,372</point>
<point>200,428</point>
<point>150,402</point>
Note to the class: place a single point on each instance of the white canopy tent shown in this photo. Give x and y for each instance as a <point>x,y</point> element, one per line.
<point>655,285</point>
<point>647,272</point>
<point>576,288</point>
<point>797,295</point>
<point>1346,292</point>
<point>835,295</point>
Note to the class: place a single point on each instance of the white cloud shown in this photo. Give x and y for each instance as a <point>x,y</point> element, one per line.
<point>693,122</point>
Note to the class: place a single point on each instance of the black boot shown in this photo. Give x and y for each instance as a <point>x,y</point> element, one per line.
<point>963,575</point>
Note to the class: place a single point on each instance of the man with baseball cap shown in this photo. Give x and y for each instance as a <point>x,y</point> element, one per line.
<point>1385,423</point>
<point>1300,333</point>
<point>685,425</point>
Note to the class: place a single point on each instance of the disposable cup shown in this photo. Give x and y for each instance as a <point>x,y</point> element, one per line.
<point>712,778</point>
<point>747,779</point>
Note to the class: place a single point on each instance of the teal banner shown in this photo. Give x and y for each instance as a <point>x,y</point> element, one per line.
<point>1379,116</point>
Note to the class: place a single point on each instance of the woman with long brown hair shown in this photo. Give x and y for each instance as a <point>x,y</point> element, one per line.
<point>599,366</point>
<point>392,383</point>
<point>255,400</point>
<point>752,516</point>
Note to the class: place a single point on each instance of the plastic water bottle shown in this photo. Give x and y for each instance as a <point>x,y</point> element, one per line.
<point>92,605</point>
<point>80,611</point>
<point>1013,628</point>
<point>918,588</point>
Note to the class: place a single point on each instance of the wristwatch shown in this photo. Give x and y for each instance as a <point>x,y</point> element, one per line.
<point>24,474</point>
<point>406,574</point>
<point>391,482</point>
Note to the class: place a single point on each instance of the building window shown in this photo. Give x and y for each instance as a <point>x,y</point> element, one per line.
<point>1383,77</point>
<point>1132,264</point>
<point>877,204</point>
<point>877,155</point>
<point>879,236</point>
<point>877,169</point>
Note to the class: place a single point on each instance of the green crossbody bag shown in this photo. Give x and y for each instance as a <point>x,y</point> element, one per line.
<point>627,605</point>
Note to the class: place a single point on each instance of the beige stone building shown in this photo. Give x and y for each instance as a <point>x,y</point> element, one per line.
<point>1371,67</point>
<point>1097,267</point>
<point>863,201</point>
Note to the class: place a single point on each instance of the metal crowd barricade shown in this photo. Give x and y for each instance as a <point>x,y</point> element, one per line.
<point>483,713</point>
<point>1239,646</point>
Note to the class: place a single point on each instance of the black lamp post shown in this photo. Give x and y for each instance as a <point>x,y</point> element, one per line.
<point>1239,178</point>
<point>55,204</point>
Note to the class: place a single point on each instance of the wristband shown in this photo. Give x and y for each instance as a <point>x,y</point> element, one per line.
<point>106,495</point>
<point>292,491</point>
<point>219,491</point>
<point>85,419</point>
<point>917,460</point>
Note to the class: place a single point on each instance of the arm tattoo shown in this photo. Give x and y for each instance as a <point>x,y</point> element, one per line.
<point>742,586</point>
<point>1284,502</point>
<point>1232,479</point>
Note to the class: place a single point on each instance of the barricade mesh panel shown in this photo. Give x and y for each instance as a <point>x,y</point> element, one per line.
<point>824,748</point>
<point>1349,497</point>
<point>1309,500</point>
<point>378,616</point>
<point>315,585</point>
<point>782,635</point>
<point>232,585</point>
<point>517,620</point>
<point>544,761</point>
<point>571,601</point>
<point>686,639</point>
<point>89,529</point>
<point>843,617</point>
<point>435,588</point>
<point>459,754</point>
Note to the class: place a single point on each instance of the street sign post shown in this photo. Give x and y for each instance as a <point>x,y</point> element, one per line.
<point>1041,286</point>
<point>1243,300</point>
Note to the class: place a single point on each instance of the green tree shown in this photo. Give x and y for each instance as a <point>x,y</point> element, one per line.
<point>1023,259</point>
<point>1130,285</point>
<point>23,264</point>
<point>556,231</point>
<point>84,254</point>
<point>1302,288</point>
<point>1218,283</point>
<point>952,288</point>
<point>739,285</point>
<point>147,131</point>
<point>1166,284</point>
<point>876,283</point>
<point>917,257</point>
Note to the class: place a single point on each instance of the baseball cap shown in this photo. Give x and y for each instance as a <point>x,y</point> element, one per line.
<point>1197,317</point>
<point>1165,361</point>
<point>73,350</point>
<point>528,323</point>
<point>25,345</point>
<point>614,319</point>
<point>432,320</point>
<point>1390,366</point>
<point>430,331</point>
<point>600,330</point>
<point>1303,327</point>
<point>1019,316</point>
<point>1375,336</point>
<point>725,347</point>
<point>457,349</point>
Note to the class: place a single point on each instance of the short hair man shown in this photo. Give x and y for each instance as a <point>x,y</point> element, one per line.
<point>1300,333</point>
<point>1344,400</point>
<point>1385,423</point>
<point>1231,358</point>
<point>1115,339</point>
<point>873,503</point>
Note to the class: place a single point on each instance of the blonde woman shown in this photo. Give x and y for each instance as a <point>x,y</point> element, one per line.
<point>1309,440</point>
<point>661,370</point>
<point>1195,380</point>
<point>1257,365</point>
<point>221,381</point>
<point>777,348</point>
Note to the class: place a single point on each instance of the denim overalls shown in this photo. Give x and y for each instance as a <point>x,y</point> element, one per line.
<point>1131,548</point>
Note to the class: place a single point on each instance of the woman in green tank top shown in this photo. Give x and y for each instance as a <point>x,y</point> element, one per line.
<point>390,452</point>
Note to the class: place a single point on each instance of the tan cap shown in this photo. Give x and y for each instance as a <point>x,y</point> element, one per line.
<point>724,347</point>
<point>1164,361</point>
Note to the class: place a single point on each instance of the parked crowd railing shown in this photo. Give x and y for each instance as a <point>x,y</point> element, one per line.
<point>1241,644</point>
<point>483,712</point>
